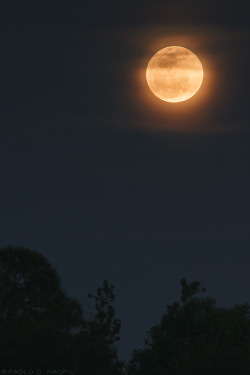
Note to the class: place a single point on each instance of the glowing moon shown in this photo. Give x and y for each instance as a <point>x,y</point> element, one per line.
<point>174,74</point>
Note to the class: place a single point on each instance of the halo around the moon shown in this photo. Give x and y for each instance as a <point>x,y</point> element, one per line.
<point>174,74</point>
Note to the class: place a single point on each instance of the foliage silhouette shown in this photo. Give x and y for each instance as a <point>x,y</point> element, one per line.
<point>37,319</point>
<point>41,327</point>
<point>196,337</point>
<point>96,345</point>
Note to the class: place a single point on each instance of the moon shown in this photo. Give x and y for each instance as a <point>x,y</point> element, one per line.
<point>174,74</point>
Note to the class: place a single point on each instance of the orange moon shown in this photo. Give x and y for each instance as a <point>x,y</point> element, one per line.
<point>174,74</point>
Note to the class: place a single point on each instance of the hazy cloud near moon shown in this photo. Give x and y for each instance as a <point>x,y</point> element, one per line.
<point>117,93</point>
<point>125,65</point>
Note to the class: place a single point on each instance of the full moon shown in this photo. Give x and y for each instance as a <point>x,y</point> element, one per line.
<point>174,74</point>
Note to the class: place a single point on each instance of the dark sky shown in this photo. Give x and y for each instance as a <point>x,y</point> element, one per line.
<point>108,181</point>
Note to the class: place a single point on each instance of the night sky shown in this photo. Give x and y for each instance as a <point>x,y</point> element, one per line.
<point>108,181</point>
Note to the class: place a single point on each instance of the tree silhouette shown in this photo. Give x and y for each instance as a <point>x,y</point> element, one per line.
<point>97,344</point>
<point>196,337</point>
<point>41,327</point>
<point>37,319</point>
<point>104,316</point>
